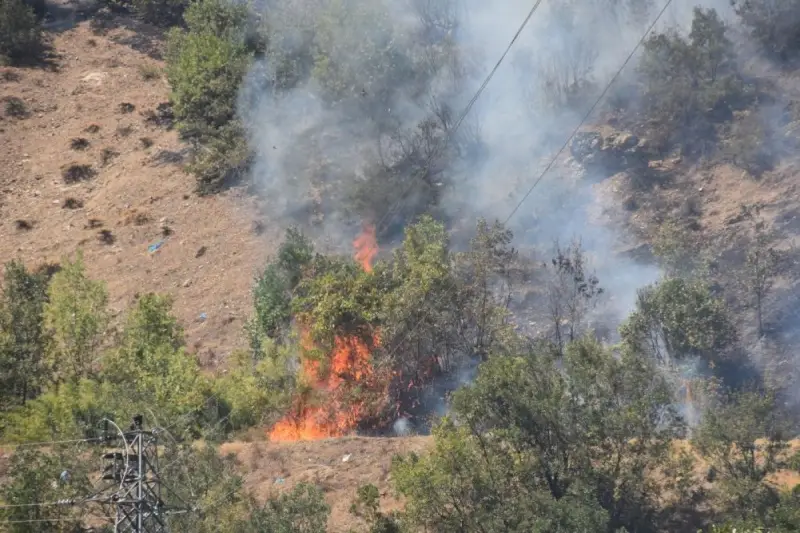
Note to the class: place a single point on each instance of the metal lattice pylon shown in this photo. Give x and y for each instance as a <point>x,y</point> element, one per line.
<point>136,490</point>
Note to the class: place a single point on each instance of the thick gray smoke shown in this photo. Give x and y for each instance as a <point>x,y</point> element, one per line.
<point>310,147</point>
<point>371,84</point>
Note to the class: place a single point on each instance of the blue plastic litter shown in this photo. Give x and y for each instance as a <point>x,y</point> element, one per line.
<point>203,316</point>
<point>154,247</point>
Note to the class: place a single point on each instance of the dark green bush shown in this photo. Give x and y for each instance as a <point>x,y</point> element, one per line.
<point>160,12</point>
<point>20,33</point>
<point>205,65</point>
<point>690,84</point>
<point>221,158</point>
<point>775,24</point>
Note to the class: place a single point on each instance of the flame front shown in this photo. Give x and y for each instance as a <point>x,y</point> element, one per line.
<point>366,245</point>
<point>350,367</point>
<point>337,400</point>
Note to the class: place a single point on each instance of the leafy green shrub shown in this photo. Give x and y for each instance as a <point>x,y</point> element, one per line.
<point>34,477</point>
<point>205,65</point>
<point>151,365</point>
<point>161,12</point>
<point>272,294</point>
<point>68,411</point>
<point>220,159</point>
<point>743,436</point>
<point>679,318</point>
<point>367,507</point>
<point>20,34</point>
<point>351,64</point>
<point>255,393</point>
<point>751,145</point>
<point>23,338</point>
<point>204,72</point>
<point>15,107</point>
<point>303,510</point>
<point>773,23</point>
<point>690,84</point>
<point>77,316</point>
<point>493,469</point>
<point>39,7</point>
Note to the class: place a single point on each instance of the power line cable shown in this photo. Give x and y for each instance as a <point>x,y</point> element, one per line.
<point>558,154</point>
<point>589,112</point>
<point>439,147</point>
<point>41,504</point>
<point>42,520</point>
<point>50,443</point>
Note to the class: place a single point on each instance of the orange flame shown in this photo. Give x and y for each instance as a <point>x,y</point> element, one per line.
<point>366,245</point>
<point>342,386</point>
<point>350,367</point>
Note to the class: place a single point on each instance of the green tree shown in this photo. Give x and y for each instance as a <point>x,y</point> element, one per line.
<point>775,24</point>
<point>151,324</point>
<point>761,267</point>
<point>367,507</point>
<point>572,291</point>
<point>151,368</point>
<point>337,299</point>
<point>255,393</point>
<point>20,33</point>
<point>303,510</point>
<point>679,318</point>
<point>204,71</point>
<point>23,338</point>
<point>357,64</point>
<point>205,65</point>
<point>160,12</point>
<point>273,291</point>
<point>532,448</point>
<point>36,477</point>
<point>486,273</point>
<point>66,411</point>
<point>690,83</point>
<point>744,438</point>
<point>77,316</point>
<point>208,479</point>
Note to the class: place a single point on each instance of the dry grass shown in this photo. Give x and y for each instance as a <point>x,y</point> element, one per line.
<point>270,468</point>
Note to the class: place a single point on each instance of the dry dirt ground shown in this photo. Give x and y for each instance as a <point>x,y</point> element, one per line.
<point>100,89</point>
<point>338,466</point>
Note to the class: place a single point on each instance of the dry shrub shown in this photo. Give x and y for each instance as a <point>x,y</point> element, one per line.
<point>75,173</point>
<point>79,143</point>
<point>107,155</point>
<point>72,203</point>
<point>15,107</point>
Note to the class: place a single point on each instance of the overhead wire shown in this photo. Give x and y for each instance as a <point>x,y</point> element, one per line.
<point>589,112</point>
<point>553,160</point>
<point>452,131</point>
<point>49,443</point>
<point>43,520</point>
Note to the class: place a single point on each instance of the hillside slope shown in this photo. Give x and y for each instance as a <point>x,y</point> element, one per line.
<point>337,466</point>
<point>101,89</point>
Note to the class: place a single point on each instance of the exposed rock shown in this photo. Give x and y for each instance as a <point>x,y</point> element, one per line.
<point>584,144</point>
<point>605,156</point>
<point>642,253</point>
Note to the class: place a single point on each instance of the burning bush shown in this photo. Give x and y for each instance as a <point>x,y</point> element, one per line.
<point>373,339</point>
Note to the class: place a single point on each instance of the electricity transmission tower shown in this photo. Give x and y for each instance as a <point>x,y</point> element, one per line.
<point>135,485</point>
